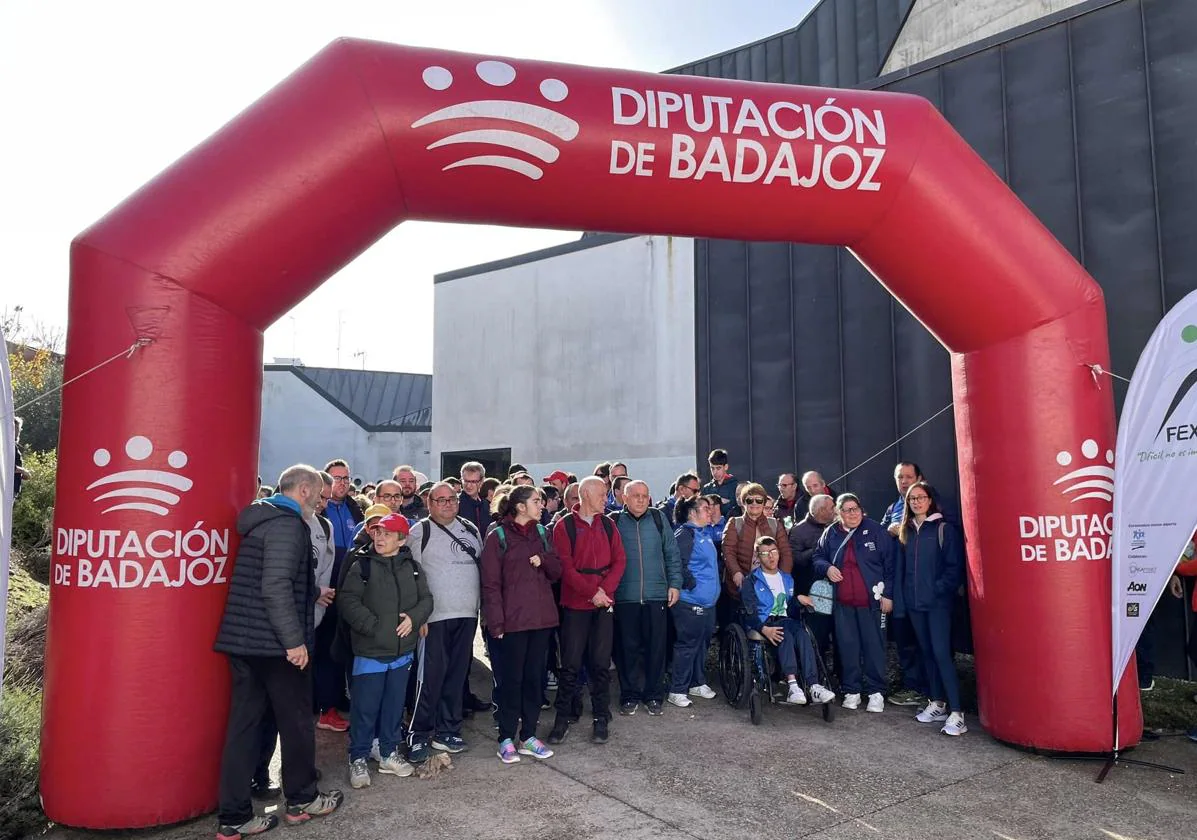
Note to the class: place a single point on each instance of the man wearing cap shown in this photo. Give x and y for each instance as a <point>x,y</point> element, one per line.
<point>558,479</point>
<point>412,506</point>
<point>448,549</point>
<point>471,506</point>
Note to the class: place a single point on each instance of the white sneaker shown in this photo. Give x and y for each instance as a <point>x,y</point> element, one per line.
<point>955,724</point>
<point>679,700</point>
<point>819,694</point>
<point>375,754</point>
<point>359,774</point>
<point>934,713</point>
<point>796,696</point>
<point>703,691</point>
<point>851,701</point>
<point>876,702</point>
<point>395,766</point>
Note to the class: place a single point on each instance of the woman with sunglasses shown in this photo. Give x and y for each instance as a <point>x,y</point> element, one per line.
<point>519,567</point>
<point>740,536</point>
<point>930,568</point>
<point>856,554</point>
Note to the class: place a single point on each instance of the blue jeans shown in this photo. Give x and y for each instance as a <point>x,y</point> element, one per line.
<point>933,629</point>
<point>377,706</point>
<point>694,626</point>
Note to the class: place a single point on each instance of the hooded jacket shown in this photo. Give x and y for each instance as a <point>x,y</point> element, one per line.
<point>927,574</point>
<point>874,555</point>
<point>700,565</point>
<point>653,564</point>
<point>516,595</point>
<point>591,562</point>
<point>757,597</point>
<point>397,585</point>
<point>272,592</point>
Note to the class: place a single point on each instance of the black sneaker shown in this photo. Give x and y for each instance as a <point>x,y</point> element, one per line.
<point>264,791</point>
<point>560,728</point>
<point>418,752</point>
<point>653,707</point>
<point>599,736</point>
<point>476,704</point>
<point>628,709</point>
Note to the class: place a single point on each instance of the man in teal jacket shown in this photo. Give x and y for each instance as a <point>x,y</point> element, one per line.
<point>649,586</point>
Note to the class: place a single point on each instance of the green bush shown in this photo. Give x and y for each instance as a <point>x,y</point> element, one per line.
<point>20,721</point>
<point>33,509</point>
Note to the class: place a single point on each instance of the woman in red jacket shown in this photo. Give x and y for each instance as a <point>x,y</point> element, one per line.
<point>519,567</point>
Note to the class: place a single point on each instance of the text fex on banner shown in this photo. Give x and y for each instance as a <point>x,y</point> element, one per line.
<point>1155,506</point>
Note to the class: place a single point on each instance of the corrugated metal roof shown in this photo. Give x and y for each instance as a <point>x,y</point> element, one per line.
<point>376,400</point>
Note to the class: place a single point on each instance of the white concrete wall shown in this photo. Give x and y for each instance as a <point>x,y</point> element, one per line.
<point>935,27</point>
<point>586,357</point>
<point>300,426</point>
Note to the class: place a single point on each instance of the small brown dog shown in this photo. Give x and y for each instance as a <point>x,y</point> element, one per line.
<point>437,764</point>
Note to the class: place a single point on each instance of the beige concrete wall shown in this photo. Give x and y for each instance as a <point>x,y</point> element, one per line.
<point>935,27</point>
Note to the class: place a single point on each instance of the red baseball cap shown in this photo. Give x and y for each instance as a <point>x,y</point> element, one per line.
<point>393,522</point>
<point>557,475</point>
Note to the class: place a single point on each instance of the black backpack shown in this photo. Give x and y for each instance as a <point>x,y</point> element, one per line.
<point>470,526</point>
<point>341,649</point>
<point>571,528</point>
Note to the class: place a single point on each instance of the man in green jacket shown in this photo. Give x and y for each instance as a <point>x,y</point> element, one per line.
<point>385,603</point>
<point>649,586</point>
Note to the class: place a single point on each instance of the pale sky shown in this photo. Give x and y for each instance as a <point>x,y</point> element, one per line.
<point>98,97</point>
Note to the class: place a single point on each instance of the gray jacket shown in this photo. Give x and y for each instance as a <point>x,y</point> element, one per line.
<point>273,587</point>
<point>326,552</point>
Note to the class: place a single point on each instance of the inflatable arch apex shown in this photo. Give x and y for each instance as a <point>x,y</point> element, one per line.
<point>158,453</point>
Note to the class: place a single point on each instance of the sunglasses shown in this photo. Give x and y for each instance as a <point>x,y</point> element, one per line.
<point>754,500</point>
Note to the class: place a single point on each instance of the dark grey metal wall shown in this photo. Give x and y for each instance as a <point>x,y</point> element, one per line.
<point>805,362</point>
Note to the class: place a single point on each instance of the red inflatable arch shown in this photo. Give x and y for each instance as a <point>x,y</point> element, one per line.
<point>158,453</point>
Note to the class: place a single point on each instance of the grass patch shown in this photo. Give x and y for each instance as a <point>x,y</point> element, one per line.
<point>25,594</point>
<point>20,721</point>
<point>1169,707</point>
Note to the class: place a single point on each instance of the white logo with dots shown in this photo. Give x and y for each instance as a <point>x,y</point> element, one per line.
<point>156,499</point>
<point>499,74</point>
<point>1096,479</point>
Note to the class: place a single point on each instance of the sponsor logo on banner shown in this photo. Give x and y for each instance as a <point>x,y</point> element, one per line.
<point>1132,609</point>
<point>734,139</point>
<point>510,115</point>
<point>1076,536</point>
<point>144,557</point>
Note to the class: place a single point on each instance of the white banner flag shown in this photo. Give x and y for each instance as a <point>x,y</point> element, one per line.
<point>8,474</point>
<point>1155,482</point>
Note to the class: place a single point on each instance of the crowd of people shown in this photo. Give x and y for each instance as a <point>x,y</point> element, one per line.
<point>337,597</point>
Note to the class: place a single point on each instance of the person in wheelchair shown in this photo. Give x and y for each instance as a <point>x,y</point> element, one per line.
<point>771,609</point>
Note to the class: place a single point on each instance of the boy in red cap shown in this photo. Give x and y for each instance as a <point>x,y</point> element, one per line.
<point>384,601</point>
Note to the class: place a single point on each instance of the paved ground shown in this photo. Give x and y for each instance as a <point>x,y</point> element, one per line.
<point>707,773</point>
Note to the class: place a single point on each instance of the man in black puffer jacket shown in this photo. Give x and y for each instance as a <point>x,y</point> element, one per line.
<point>267,632</point>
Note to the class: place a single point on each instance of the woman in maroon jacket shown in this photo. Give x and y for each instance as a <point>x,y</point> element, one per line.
<point>519,567</point>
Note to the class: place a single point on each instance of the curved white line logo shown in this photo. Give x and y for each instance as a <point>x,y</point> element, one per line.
<point>157,500</point>
<point>1096,480</point>
<point>501,74</point>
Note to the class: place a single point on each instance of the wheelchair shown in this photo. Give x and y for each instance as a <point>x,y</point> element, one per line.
<point>748,665</point>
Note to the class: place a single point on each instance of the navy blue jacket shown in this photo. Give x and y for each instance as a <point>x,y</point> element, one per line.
<point>928,575</point>
<point>874,555</point>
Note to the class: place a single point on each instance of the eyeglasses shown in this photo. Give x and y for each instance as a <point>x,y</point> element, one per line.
<point>850,510</point>
<point>340,479</point>
<point>446,500</point>
<point>765,552</point>
<point>754,501</point>
<point>782,485</point>
<point>471,481</point>
<point>394,497</point>
<point>913,499</point>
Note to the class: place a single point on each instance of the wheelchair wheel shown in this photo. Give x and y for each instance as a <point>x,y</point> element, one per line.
<point>735,667</point>
<point>829,711</point>
<point>756,711</point>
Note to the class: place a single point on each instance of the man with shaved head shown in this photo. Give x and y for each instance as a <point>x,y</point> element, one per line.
<point>592,563</point>
<point>650,585</point>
